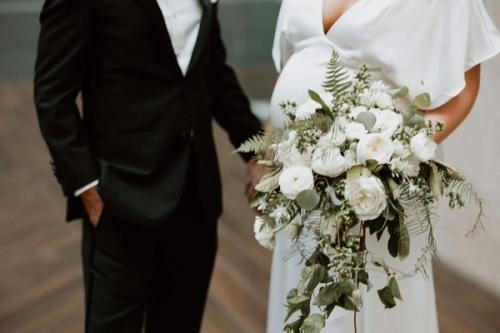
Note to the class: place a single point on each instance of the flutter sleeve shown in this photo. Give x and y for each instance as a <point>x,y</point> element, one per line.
<point>428,45</point>
<point>282,48</point>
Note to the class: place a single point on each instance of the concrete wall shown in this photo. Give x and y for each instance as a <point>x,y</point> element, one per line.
<point>475,148</point>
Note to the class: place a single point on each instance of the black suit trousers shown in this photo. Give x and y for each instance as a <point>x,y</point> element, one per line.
<point>155,277</point>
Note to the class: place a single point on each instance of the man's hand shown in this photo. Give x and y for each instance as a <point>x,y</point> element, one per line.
<point>93,204</point>
<point>254,174</point>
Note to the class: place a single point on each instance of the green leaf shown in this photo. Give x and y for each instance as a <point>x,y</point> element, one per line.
<point>294,326</point>
<point>296,302</point>
<point>268,183</point>
<point>253,145</point>
<point>436,182</point>
<point>401,93</point>
<point>417,119</point>
<point>338,80</point>
<point>311,277</point>
<point>355,172</point>
<point>317,98</point>
<point>404,239</point>
<point>368,119</point>
<point>308,199</point>
<point>313,324</point>
<point>450,170</point>
<point>327,295</point>
<point>393,285</point>
<point>423,101</point>
<point>387,298</point>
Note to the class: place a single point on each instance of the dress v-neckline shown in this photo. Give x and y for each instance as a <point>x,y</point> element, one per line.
<point>339,20</point>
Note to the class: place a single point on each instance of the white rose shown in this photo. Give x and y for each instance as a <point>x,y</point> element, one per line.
<point>355,131</point>
<point>384,101</point>
<point>423,147</point>
<point>369,97</point>
<point>374,147</point>
<point>263,234</point>
<point>366,196</point>
<point>329,163</point>
<point>388,122</point>
<point>294,180</point>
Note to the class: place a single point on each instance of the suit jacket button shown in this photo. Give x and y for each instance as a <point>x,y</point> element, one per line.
<point>191,134</point>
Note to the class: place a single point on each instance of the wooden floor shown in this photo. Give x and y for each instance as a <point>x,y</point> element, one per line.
<point>40,276</point>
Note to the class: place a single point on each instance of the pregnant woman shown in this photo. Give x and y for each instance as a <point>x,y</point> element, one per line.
<point>433,46</point>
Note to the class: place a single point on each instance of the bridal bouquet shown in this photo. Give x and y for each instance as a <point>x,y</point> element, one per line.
<point>359,159</point>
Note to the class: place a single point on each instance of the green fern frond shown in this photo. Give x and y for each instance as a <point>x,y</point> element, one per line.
<point>337,78</point>
<point>255,144</point>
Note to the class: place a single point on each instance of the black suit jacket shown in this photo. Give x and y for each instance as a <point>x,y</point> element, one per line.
<point>142,121</point>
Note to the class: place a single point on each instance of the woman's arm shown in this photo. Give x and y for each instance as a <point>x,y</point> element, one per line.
<point>453,113</point>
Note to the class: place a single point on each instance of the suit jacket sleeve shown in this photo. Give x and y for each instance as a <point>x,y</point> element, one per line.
<point>63,50</point>
<point>231,106</point>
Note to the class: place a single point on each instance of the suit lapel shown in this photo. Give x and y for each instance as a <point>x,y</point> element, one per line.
<point>155,16</point>
<point>205,25</point>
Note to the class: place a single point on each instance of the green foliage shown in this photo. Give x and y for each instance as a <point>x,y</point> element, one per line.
<point>255,144</point>
<point>308,199</point>
<point>337,78</point>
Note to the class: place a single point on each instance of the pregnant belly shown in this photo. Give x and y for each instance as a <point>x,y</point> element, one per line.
<point>304,70</point>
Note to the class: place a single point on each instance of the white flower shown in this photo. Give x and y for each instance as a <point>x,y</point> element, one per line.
<point>329,163</point>
<point>366,196</point>
<point>280,214</point>
<point>288,154</point>
<point>376,94</point>
<point>309,108</point>
<point>263,234</point>
<point>294,180</point>
<point>355,131</point>
<point>388,122</point>
<point>400,149</point>
<point>384,101</point>
<point>409,167</point>
<point>423,147</point>
<point>333,138</point>
<point>374,147</point>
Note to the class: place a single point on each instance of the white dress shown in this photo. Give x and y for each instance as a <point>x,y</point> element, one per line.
<point>426,45</point>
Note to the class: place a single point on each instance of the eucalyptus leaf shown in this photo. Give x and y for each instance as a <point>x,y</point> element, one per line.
<point>387,298</point>
<point>423,101</point>
<point>436,182</point>
<point>312,276</point>
<point>355,172</point>
<point>313,324</point>
<point>268,183</point>
<point>401,93</point>
<point>393,285</point>
<point>368,119</point>
<point>308,199</point>
<point>327,295</point>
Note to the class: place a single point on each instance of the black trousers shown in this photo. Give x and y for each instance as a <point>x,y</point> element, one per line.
<point>152,277</point>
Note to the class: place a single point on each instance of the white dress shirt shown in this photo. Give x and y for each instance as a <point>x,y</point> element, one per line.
<point>182,18</point>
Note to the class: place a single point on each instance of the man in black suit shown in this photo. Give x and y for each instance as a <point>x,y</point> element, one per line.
<point>139,162</point>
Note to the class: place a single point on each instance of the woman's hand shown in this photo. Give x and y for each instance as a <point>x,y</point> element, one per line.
<point>453,113</point>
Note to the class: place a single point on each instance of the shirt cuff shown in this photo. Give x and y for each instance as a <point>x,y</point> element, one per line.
<point>86,188</point>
